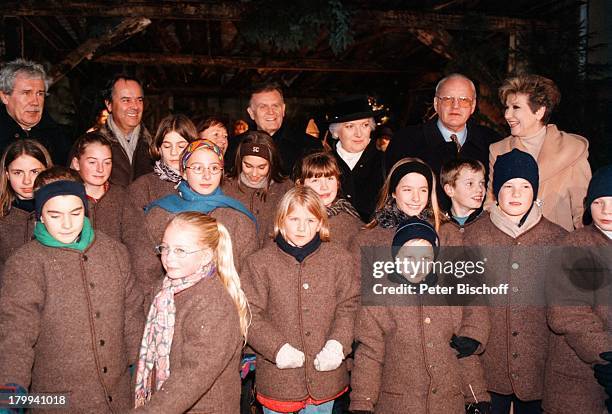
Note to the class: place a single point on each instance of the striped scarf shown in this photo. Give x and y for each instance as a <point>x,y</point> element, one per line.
<point>159,330</point>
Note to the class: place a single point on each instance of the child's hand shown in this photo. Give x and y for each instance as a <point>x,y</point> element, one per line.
<point>330,357</point>
<point>289,357</point>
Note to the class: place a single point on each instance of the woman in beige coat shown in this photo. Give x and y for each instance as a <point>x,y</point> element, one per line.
<point>562,157</point>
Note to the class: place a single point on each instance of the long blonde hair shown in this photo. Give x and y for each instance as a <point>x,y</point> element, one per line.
<point>214,235</point>
<point>386,193</point>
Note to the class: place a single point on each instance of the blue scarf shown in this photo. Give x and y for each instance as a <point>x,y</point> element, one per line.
<point>189,200</point>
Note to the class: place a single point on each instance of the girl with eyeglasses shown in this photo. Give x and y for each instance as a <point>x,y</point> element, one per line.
<point>197,324</point>
<point>199,190</point>
<point>257,180</point>
<point>21,163</point>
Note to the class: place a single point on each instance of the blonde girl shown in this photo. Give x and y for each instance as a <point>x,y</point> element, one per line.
<point>197,323</point>
<point>304,299</point>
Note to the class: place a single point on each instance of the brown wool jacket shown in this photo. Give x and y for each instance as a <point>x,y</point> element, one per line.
<point>125,172</point>
<point>377,368</point>
<point>404,364</point>
<point>71,323</point>
<point>517,349</point>
<point>564,175</point>
<point>148,268</point>
<point>303,304</point>
<point>148,188</point>
<point>264,211</point>
<point>16,229</point>
<point>582,330</point>
<point>108,213</point>
<point>205,354</point>
<point>343,229</point>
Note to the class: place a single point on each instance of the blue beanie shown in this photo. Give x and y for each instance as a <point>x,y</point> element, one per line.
<point>600,186</point>
<point>515,164</point>
<point>414,228</point>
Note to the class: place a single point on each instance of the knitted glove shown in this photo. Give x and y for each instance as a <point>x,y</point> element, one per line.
<point>483,407</point>
<point>464,345</point>
<point>289,357</point>
<point>330,357</point>
<point>603,374</point>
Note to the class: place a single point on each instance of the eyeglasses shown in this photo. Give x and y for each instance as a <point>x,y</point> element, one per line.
<point>164,250</point>
<point>199,169</point>
<point>463,101</point>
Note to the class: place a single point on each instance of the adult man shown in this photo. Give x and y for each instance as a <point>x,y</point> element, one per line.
<point>449,135</point>
<point>23,87</point>
<point>124,100</point>
<point>267,109</point>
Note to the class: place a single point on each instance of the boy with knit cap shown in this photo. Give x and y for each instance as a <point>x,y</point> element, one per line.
<point>518,345</point>
<point>71,316</point>
<point>579,368</point>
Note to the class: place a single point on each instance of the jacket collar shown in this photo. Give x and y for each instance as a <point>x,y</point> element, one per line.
<point>471,218</point>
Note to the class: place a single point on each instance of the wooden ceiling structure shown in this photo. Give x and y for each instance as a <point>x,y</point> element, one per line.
<point>197,48</point>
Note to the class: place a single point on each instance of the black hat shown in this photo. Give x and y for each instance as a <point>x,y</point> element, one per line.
<point>600,186</point>
<point>414,228</point>
<point>58,188</point>
<point>353,108</point>
<point>515,164</point>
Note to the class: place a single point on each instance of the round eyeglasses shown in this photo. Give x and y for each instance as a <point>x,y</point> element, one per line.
<point>164,250</point>
<point>212,169</point>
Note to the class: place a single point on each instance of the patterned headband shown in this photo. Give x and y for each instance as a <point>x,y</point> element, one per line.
<point>200,144</point>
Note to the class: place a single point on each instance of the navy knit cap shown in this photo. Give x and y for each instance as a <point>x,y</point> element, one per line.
<point>515,164</point>
<point>58,188</point>
<point>414,228</point>
<point>600,186</point>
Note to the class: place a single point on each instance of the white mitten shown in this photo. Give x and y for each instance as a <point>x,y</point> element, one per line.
<point>330,357</point>
<point>289,357</point>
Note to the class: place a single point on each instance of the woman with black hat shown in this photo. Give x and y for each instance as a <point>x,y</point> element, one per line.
<point>362,165</point>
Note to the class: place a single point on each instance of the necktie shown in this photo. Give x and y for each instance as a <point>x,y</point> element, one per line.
<point>454,138</point>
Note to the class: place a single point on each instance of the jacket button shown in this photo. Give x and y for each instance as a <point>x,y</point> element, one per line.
<point>84,257</point>
<point>110,399</point>
<point>515,333</point>
<point>515,289</point>
<point>101,342</point>
<point>17,135</point>
<point>348,196</point>
<point>427,320</point>
<point>461,230</point>
<point>515,266</point>
<point>104,370</point>
<point>429,344</point>
<point>307,333</point>
<point>515,355</point>
<point>92,285</point>
<point>97,315</point>
<point>305,286</point>
<point>435,390</point>
<point>515,375</point>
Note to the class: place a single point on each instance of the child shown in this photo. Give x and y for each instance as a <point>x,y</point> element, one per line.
<point>518,345</point>
<point>197,324</point>
<point>404,362</point>
<point>21,163</point>
<point>70,312</point>
<point>213,129</point>
<point>200,190</point>
<point>320,172</point>
<point>256,180</point>
<point>173,135</point>
<point>463,181</point>
<point>580,315</point>
<point>303,298</point>
<point>106,203</point>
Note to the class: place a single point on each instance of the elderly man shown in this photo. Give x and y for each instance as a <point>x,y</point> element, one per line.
<point>267,109</point>
<point>449,135</point>
<point>124,100</point>
<point>23,87</point>
<point>361,163</point>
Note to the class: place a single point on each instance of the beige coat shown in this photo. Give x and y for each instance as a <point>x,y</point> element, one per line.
<point>71,323</point>
<point>582,326</point>
<point>564,175</point>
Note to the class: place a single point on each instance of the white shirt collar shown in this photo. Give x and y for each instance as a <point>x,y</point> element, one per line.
<point>446,133</point>
<point>350,158</point>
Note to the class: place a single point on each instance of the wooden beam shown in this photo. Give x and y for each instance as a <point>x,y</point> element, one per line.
<point>258,63</point>
<point>437,40</point>
<point>112,36</point>
<point>233,11</point>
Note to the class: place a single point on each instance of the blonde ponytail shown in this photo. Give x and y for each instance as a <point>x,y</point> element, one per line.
<point>229,276</point>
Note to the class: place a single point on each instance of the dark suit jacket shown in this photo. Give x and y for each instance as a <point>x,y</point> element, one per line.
<point>425,141</point>
<point>361,185</point>
<point>47,132</point>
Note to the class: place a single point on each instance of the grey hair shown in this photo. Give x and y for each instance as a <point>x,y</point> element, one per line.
<point>456,76</point>
<point>333,128</point>
<point>28,68</point>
